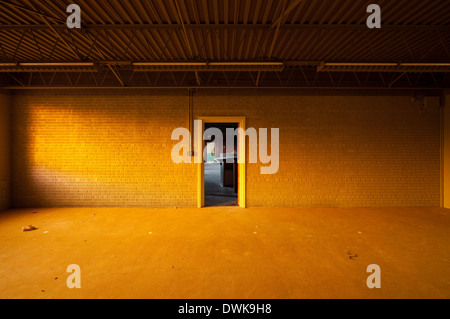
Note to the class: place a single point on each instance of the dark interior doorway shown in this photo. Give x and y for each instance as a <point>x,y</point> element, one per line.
<point>221,169</point>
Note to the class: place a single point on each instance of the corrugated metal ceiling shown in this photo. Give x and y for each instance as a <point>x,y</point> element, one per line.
<point>225,30</point>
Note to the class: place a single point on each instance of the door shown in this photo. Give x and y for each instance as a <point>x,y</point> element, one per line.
<point>240,168</point>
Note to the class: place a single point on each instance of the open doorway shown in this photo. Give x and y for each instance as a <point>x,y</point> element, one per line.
<point>222,176</point>
<point>221,167</point>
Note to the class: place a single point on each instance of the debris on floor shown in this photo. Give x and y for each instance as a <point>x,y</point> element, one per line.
<point>351,255</point>
<point>90,221</point>
<point>28,228</point>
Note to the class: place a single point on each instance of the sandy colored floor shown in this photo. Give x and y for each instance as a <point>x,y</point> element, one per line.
<point>225,253</point>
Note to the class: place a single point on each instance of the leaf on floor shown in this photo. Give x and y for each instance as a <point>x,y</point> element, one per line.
<point>28,228</point>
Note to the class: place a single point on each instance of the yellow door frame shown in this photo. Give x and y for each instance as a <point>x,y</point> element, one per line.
<point>241,157</point>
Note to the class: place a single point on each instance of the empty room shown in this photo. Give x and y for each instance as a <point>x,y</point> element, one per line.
<point>248,149</point>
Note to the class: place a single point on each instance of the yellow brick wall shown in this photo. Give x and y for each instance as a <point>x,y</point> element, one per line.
<point>5,171</point>
<point>99,149</point>
<point>339,149</point>
<point>113,148</point>
<point>446,150</point>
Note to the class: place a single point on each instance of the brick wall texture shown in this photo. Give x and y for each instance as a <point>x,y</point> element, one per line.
<point>113,148</point>
<point>5,169</point>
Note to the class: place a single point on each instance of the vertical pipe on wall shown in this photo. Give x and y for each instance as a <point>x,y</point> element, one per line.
<point>442,114</point>
<point>191,120</point>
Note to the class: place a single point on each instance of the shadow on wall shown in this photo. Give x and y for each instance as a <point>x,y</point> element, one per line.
<point>99,151</point>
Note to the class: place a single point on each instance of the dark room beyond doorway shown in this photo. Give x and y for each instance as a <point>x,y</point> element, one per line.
<point>221,169</point>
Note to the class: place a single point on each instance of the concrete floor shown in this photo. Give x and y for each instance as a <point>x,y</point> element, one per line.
<point>216,195</point>
<point>225,253</point>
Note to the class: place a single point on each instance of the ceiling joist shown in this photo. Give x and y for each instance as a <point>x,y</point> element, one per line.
<point>229,42</point>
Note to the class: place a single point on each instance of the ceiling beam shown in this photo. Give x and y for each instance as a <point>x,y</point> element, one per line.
<point>57,34</point>
<point>116,73</point>
<point>34,11</point>
<point>12,87</point>
<point>279,21</point>
<point>277,32</point>
<point>256,27</point>
<point>231,66</point>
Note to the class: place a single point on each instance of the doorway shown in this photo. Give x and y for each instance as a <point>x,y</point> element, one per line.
<point>222,175</point>
<point>221,167</point>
